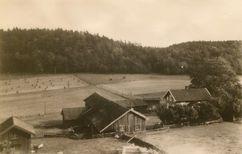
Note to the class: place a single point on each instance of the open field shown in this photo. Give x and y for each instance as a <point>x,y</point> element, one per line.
<point>90,146</point>
<point>97,79</point>
<point>221,138</point>
<point>45,102</point>
<point>147,86</point>
<point>40,83</point>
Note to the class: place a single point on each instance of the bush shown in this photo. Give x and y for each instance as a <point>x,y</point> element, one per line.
<point>194,113</point>
<point>206,112</point>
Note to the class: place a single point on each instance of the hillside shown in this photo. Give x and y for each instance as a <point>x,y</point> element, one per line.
<point>62,51</point>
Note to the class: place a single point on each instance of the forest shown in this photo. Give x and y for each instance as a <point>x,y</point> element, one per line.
<point>67,51</point>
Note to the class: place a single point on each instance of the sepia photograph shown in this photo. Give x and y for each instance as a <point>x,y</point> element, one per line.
<point>120,77</point>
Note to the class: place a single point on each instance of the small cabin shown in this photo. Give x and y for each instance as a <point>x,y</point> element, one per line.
<point>187,96</point>
<point>16,135</point>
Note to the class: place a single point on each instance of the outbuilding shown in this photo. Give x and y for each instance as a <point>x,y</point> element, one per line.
<point>187,96</point>
<point>15,136</point>
<point>153,100</point>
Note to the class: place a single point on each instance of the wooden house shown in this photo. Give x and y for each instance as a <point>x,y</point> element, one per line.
<point>186,96</point>
<point>153,100</point>
<point>104,115</point>
<point>16,135</point>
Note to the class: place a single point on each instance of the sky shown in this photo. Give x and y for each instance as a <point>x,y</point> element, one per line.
<point>157,23</point>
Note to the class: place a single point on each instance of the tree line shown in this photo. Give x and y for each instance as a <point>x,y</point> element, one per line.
<point>67,51</point>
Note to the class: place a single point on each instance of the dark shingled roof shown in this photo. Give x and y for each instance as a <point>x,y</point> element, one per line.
<point>16,123</point>
<point>72,113</point>
<point>101,117</point>
<point>134,102</point>
<point>124,102</point>
<point>106,95</point>
<point>190,95</point>
<point>104,111</point>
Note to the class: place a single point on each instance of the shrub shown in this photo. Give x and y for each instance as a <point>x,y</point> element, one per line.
<point>193,113</point>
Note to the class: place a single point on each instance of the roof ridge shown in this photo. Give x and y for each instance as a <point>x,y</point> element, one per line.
<point>189,89</point>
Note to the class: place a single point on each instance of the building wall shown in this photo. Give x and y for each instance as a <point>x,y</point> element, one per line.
<point>20,140</point>
<point>168,98</point>
<point>129,123</point>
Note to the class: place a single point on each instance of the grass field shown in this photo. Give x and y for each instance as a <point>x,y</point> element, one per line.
<point>69,146</point>
<point>17,85</point>
<point>222,138</point>
<point>147,86</point>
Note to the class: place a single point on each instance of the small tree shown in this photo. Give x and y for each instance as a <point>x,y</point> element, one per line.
<point>164,114</point>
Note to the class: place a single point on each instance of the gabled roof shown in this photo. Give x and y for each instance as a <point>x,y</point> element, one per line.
<point>190,95</point>
<point>130,110</point>
<point>124,102</point>
<point>105,95</point>
<point>102,118</point>
<point>105,111</point>
<point>72,113</point>
<point>14,122</point>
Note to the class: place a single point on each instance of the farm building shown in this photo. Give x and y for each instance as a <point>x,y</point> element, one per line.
<point>135,102</point>
<point>105,115</point>
<point>152,100</point>
<point>187,96</point>
<point>70,116</point>
<point>16,135</point>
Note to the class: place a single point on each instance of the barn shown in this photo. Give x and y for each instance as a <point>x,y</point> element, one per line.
<point>187,96</point>
<point>104,115</point>
<point>136,103</point>
<point>16,134</point>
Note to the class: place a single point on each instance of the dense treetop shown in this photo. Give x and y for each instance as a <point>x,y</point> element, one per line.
<point>67,51</point>
<point>220,78</point>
